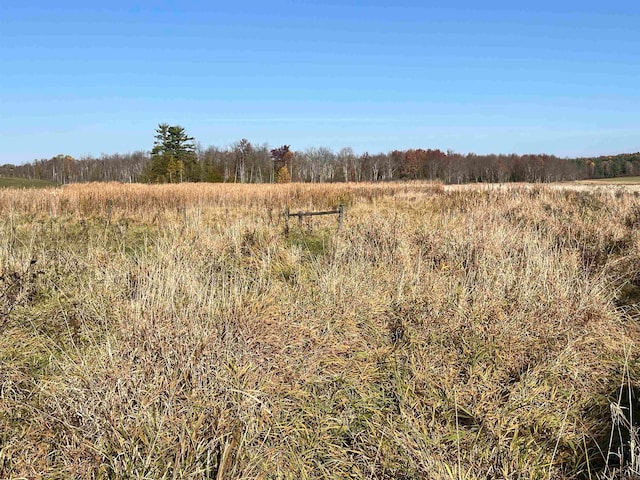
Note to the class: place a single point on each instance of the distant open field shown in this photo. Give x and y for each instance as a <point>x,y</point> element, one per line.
<point>444,333</point>
<point>15,182</point>
<point>616,180</point>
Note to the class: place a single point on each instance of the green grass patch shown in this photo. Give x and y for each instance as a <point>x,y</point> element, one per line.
<point>315,244</point>
<point>17,182</point>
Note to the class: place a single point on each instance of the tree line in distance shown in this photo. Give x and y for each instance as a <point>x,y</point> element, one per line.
<point>176,157</point>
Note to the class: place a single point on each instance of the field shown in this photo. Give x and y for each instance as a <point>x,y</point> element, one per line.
<point>614,180</point>
<point>175,332</point>
<point>17,182</point>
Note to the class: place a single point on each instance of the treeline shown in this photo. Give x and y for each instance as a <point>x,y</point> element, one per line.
<point>248,163</point>
<point>622,165</point>
<point>66,169</point>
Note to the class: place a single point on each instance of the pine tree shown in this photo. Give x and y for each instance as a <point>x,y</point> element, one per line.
<point>173,157</point>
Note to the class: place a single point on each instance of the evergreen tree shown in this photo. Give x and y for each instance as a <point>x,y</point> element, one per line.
<point>173,157</point>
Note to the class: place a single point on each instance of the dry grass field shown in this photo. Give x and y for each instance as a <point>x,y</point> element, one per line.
<point>614,180</point>
<point>445,333</point>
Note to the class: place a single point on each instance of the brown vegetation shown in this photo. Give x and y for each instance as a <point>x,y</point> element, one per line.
<point>172,331</point>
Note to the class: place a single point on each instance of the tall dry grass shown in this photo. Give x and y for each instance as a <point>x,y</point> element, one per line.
<point>173,332</point>
<point>140,199</point>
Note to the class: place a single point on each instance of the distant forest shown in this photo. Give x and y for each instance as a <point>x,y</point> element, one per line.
<point>247,163</point>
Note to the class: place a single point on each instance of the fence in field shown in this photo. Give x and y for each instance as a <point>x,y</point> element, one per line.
<point>288,215</point>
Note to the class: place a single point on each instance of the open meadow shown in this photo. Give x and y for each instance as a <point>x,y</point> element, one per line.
<point>613,181</point>
<point>173,331</point>
<point>17,182</point>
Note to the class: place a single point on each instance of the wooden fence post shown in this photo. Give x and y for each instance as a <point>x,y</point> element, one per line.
<point>286,222</point>
<point>288,215</point>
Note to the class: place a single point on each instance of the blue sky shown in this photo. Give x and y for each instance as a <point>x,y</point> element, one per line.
<point>557,77</point>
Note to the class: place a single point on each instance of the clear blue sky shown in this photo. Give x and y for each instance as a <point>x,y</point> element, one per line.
<point>560,77</point>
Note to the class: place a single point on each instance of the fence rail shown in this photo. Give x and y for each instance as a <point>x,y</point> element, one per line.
<point>287,215</point>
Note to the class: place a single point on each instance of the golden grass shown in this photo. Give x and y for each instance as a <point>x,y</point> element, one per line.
<point>614,180</point>
<point>141,199</point>
<point>173,332</point>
